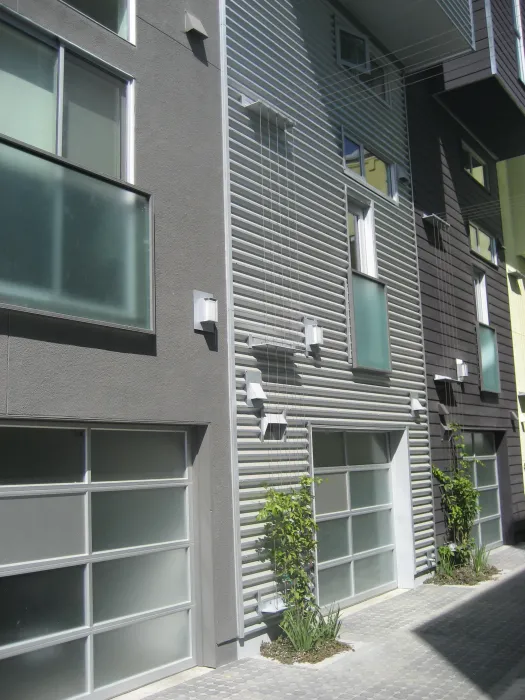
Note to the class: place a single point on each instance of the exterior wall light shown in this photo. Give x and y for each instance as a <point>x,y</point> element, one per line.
<point>205,311</point>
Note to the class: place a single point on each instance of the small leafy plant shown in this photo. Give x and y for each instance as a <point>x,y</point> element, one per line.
<point>480,560</point>
<point>288,542</point>
<point>306,629</point>
<point>459,500</point>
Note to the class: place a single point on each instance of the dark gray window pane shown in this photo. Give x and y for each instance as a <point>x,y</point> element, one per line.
<point>81,248</point>
<point>366,448</point>
<point>28,88</point>
<point>484,444</point>
<point>93,115</point>
<point>113,14</point>
<point>41,603</point>
<point>353,49</point>
<point>120,455</point>
<point>329,450</point>
<point>142,647</point>
<point>132,518</point>
<point>41,456</point>
<point>54,673</point>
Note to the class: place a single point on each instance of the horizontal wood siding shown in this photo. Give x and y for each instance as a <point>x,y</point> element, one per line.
<point>460,12</point>
<point>449,312</point>
<point>505,47</point>
<point>476,65</point>
<point>290,257</point>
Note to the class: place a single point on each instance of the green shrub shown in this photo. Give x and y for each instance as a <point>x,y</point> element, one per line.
<point>307,628</point>
<point>480,559</point>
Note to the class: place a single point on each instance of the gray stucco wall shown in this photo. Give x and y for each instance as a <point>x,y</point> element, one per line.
<point>54,369</point>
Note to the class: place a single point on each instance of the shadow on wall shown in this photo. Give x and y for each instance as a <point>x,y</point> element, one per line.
<point>484,638</point>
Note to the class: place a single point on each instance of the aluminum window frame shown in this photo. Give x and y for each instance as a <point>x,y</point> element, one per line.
<point>482,385</point>
<point>62,45</point>
<point>393,193</point>
<point>131,9</point>
<point>469,153</point>
<point>87,488</point>
<point>493,242</point>
<point>347,29</point>
<point>520,45</point>
<point>352,512</point>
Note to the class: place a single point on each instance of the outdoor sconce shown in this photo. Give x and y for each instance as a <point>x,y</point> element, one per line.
<point>255,395</point>
<point>462,369</point>
<point>205,311</point>
<point>416,407</point>
<point>313,335</point>
<point>193,25</point>
<point>273,426</point>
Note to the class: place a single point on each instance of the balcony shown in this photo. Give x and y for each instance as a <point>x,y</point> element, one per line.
<point>418,33</point>
<point>370,335</point>
<point>74,244</point>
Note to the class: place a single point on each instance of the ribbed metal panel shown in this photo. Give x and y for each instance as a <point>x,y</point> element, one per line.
<point>290,256</point>
<point>460,12</point>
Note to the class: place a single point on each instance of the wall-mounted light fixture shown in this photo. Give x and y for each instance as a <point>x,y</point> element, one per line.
<point>462,369</point>
<point>273,426</point>
<point>313,335</point>
<point>416,407</point>
<point>255,395</point>
<point>402,174</point>
<point>205,311</point>
<point>194,26</point>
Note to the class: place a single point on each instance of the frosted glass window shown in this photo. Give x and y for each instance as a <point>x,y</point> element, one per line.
<point>373,571</point>
<point>372,349</point>
<point>334,584</point>
<point>366,448</point>
<point>41,527</point>
<point>54,673</point>
<point>136,584</point>
<point>488,352</point>
<point>484,444</point>
<point>132,518</point>
<point>369,488</point>
<point>93,115</point>
<point>490,532</point>
<point>333,539</point>
<point>112,14</point>
<point>141,647</point>
<point>41,603</point>
<point>331,495</point>
<point>82,247</point>
<point>488,501</point>
<point>486,472</point>
<point>371,530</point>
<point>377,172</point>
<point>120,455</point>
<point>28,89</point>
<point>328,449</point>
<point>41,456</point>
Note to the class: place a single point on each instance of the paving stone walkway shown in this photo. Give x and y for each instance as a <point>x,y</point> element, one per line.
<point>432,643</point>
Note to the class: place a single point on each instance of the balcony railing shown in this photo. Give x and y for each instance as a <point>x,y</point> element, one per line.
<point>488,359</point>
<point>73,243</point>
<point>371,347</point>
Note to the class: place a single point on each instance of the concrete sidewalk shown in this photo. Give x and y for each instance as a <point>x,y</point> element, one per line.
<point>432,643</point>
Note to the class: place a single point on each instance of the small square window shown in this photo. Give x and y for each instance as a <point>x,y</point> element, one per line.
<point>475,166</point>
<point>376,78</point>
<point>353,50</point>
<point>363,162</point>
<point>483,243</point>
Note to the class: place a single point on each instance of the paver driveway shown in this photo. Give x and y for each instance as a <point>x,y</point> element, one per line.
<point>430,643</point>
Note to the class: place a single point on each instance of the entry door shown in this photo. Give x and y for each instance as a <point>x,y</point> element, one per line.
<point>95,585</point>
<point>353,506</point>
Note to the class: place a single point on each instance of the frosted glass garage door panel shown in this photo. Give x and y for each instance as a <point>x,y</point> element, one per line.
<point>331,495</point>
<point>137,584</point>
<point>488,502</point>
<point>41,527</point>
<point>329,449</point>
<point>333,541</point>
<point>369,488</point>
<point>118,455</point>
<point>373,571</point>
<point>371,530</point>
<point>54,673</point>
<point>334,584</point>
<point>490,531</point>
<point>142,647</point>
<point>41,603</point>
<point>486,472</point>
<point>133,518</point>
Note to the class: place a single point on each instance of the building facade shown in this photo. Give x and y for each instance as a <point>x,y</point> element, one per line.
<point>116,531</point>
<point>462,262</point>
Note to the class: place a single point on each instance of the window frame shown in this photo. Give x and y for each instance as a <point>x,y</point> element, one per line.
<point>493,247</point>
<point>393,192</point>
<point>62,45</point>
<point>367,268</point>
<point>131,20</point>
<point>340,27</point>
<point>520,45</point>
<point>468,151</point>
<point>483,320</point>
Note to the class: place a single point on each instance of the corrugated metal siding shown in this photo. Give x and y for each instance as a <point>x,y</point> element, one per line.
<point>290,258</point>
<point>476,65</point>
<point>460,13</point>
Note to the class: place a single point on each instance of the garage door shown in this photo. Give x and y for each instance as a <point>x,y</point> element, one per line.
<point>95,586</point>
<point>353,506</point>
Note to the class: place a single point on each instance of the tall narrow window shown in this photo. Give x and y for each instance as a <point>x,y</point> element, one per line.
<point>81,118</point>
<point>370,341</point>
<point>113,14</point>
<point>487,338</point>
<point>520,46</point>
